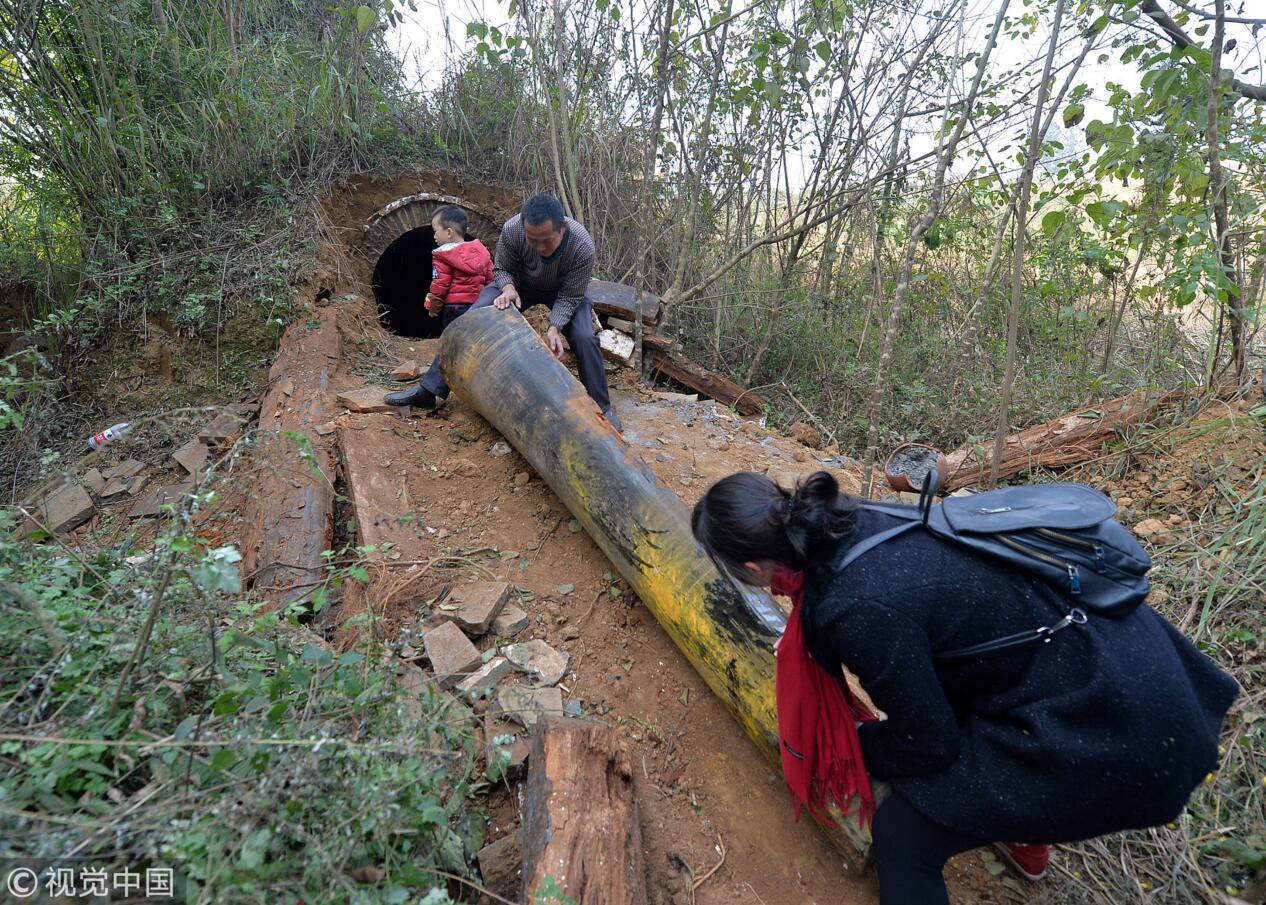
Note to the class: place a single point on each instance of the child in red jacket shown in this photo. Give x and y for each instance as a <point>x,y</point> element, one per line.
<point>459,269</point>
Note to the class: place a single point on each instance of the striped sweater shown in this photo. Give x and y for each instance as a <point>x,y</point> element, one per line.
<point>564,274</point>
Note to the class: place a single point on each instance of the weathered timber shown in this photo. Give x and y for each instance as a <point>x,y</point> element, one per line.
<point>727,632</point>
<point>616,347</point>
<point>619,300</point>
<point>580,821</point>
<point>1068,440</point>
<point>289,514</point>
<point>386,517</point>
<point>673,363</point>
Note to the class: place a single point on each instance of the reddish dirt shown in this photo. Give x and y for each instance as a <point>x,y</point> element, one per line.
<point>458,509</point>
<point>701,783</point>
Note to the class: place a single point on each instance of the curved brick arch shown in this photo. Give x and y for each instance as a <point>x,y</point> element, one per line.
<point>391,221</point>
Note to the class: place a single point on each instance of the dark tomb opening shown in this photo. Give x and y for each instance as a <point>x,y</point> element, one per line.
<point>401,280</point>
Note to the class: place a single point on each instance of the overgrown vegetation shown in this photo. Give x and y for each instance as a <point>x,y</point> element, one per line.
<point>825,192</point>
<point>158,174</point>
<point>150,723</point>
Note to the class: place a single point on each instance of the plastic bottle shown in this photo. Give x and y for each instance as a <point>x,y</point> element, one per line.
<point>110,434</point>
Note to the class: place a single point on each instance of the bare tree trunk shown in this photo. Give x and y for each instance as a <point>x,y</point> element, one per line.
<point>648,174</point>
<point>1021,225</point>
<point>687,245</point>
<point>1218,179</point>
<point>967,342</point>
<point>1119,314</point>
<point>775,314</point>
<point>946,154</point>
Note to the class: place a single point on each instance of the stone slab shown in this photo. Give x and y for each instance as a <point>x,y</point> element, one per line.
<point>452,655</point>
<point>124,469</point>
<point>223,426</point>
<point>368,400</point>
<point>152,502</point>
<point>540,661</point>
<point>193,457</point>
<point>501,866</point>
<point>510,622</point>
<point>121,485</point>
<point>94,480</point>
<point>64,509</point>
<point>477,604</point>
<point>526,705</point>
<point>406,370</point>
<point>484,679</point>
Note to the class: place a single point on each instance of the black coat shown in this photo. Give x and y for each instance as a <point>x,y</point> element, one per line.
<point>1109,726</point>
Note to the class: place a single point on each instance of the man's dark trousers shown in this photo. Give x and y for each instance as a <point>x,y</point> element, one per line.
<point>578,333</point>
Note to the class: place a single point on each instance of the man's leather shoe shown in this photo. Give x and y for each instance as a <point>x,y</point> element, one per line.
<point>609,414</point>
<point>418,396</point>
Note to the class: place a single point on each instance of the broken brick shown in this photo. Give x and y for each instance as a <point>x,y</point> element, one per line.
<point>477,605</point>
<point>510,622</point>
<point>484,679</point>
<point>526,705</point>
<point>539,660</point>
<point>452,655</point>
<point>65,508</point>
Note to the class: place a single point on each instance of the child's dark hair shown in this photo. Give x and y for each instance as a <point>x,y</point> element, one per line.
<point>453,217</point>
<point>747,517</point>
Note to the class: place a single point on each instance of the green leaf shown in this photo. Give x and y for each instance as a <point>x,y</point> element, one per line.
<point>223,759</point>
<point>1074,114</point>
<point>254,849</point>
<point>364,18</point>
<point>1053,221</point>
<point>573,526</point>
<point>566,589</point>
<point>1250,857</point>
<point>217,572</point>
<point>823,50</point>
<point>1102,212</point>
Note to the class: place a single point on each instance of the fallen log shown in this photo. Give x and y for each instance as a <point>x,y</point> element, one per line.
<point>580,821</point>
<point>289,515</point>
<point>619,300</point>
<point>673,363</point>
<point>1068,440</point>
<point>727,632</point>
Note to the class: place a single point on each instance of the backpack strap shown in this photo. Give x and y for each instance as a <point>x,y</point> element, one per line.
<point>1030,636</point>
<point>874,541</point>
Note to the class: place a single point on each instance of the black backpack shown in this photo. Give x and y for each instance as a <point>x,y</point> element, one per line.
<point>1064,534</point>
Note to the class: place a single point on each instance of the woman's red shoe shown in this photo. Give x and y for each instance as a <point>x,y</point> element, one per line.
<point>1029,860</point>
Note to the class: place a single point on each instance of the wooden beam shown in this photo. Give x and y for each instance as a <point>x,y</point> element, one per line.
<point>1068,440</point>
<point>580,820</point>
<point>620,301</point>
<point>674,364</point>
<point>289,515</point>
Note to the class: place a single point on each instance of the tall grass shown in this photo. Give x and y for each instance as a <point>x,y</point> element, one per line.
<point>131,106</point>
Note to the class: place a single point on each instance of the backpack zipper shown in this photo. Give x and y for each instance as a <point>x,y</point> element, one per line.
<point>1101,562</point>
<point>1074,577</point>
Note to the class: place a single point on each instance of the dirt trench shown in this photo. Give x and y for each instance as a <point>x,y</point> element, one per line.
<point>444,489</point>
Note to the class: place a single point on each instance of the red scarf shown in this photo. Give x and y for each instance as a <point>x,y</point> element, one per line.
<point>817,715</point>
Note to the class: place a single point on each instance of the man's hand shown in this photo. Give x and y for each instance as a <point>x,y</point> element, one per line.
<point>554,340</point>
<point>508,296</point>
